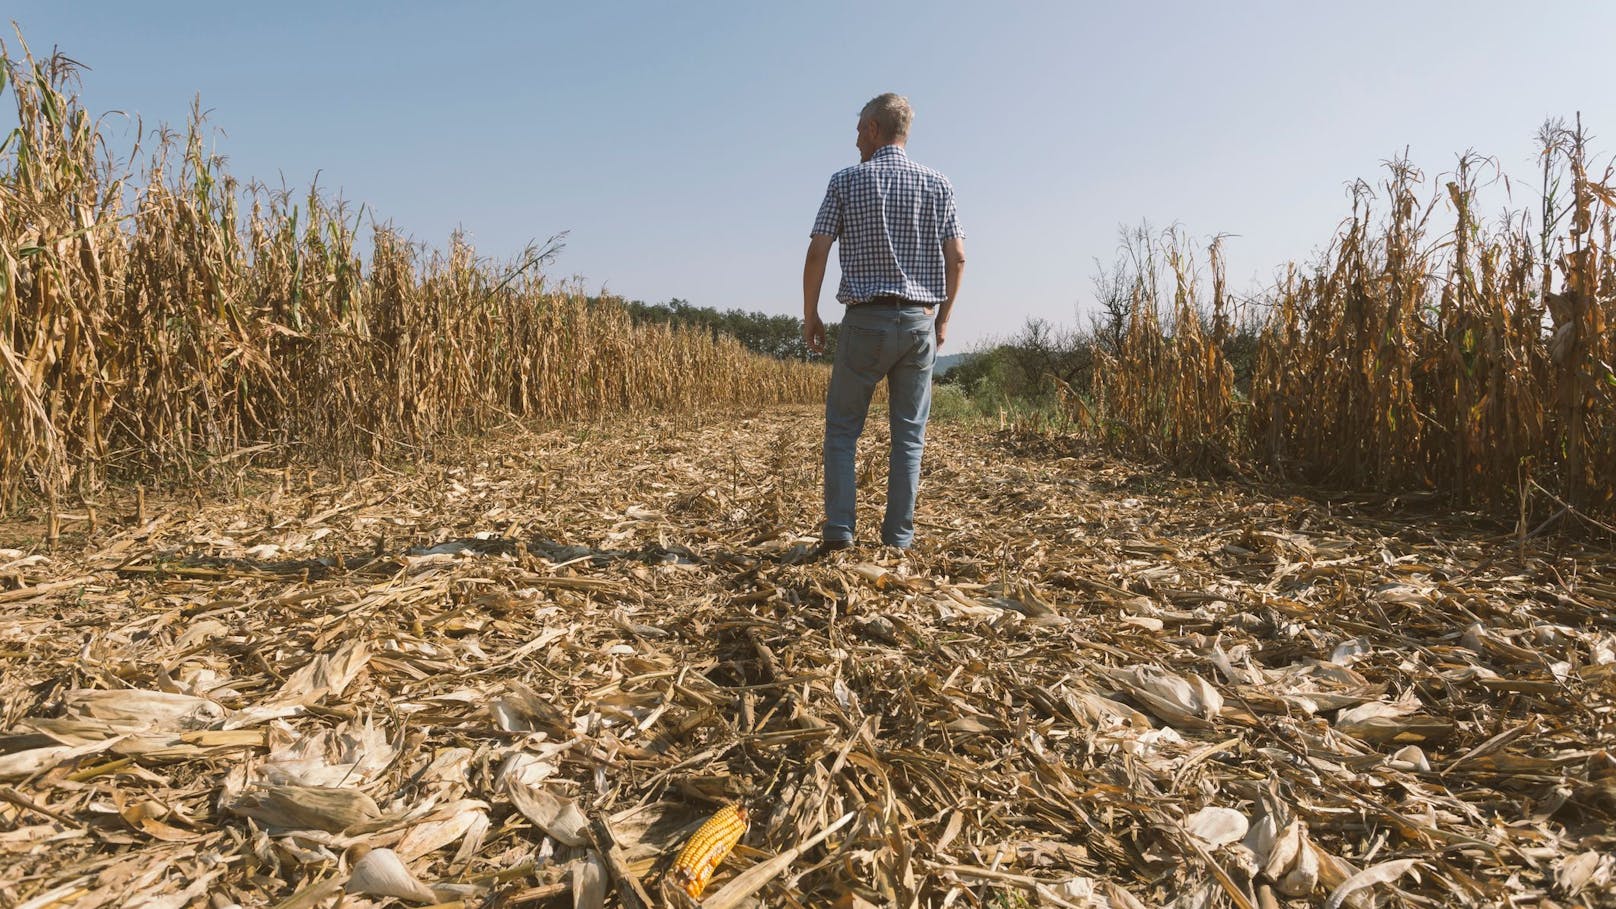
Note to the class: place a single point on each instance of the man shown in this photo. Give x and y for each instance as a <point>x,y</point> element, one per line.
<point>902,256</point>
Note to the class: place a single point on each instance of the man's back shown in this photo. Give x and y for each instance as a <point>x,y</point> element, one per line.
<point>891,216</point>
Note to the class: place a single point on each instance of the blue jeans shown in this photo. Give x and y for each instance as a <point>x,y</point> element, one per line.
<point>877,342</point>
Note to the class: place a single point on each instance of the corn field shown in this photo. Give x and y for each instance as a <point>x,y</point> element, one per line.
<point>1474,363</point>
<point>164,317</point>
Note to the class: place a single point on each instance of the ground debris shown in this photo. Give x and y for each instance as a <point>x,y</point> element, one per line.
<point>524,676</point>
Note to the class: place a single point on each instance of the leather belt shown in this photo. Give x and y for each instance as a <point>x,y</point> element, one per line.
<point>894,301</point>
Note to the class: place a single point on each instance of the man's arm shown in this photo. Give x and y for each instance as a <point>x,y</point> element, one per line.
<point>813,278</point>
<point>953,268</point>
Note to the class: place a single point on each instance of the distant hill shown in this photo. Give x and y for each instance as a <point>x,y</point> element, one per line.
<point>945,363</point>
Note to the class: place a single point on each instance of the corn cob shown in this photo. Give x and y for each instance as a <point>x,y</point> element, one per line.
<point>707,849</point>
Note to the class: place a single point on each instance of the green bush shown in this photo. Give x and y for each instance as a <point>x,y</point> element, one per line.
<point>950,402</point>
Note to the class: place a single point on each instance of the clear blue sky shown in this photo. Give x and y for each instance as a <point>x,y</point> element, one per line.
<point>686,146</point>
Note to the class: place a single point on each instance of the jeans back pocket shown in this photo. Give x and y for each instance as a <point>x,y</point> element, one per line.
<point>863,346</point>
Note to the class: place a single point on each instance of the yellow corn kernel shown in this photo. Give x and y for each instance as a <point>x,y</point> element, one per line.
<point>707,849</point>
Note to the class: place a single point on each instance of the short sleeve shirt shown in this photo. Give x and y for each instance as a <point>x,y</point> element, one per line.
<point>890,216</point>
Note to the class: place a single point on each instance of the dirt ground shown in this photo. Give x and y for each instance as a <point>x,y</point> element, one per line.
<point>523,673</point>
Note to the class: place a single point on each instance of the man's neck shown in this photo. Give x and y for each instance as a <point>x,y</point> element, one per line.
<point>893,145</point>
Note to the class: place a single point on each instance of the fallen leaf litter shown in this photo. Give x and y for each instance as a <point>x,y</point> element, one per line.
<point>526,674</point>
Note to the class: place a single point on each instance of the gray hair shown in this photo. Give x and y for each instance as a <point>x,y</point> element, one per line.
<point>891,113</point>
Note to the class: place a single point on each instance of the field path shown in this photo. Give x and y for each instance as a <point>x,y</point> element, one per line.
<point>1092,683</point>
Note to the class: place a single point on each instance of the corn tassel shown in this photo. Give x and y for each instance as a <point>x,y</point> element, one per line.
<point>707,849</point>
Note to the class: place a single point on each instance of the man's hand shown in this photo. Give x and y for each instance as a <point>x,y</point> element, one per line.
<point>813,275</point>
<point>813,333</point>
<point>953,270</point>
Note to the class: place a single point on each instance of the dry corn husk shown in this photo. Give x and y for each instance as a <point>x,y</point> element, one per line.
<point>1180,699</point>
<point>1216,826</point>
<point>1386,723</point>
<point>1411,757</point>
<point>381,872</point>
<point>556,815</point>
<point>1583,870</point>
<point>127,709</point>
<point>35,760</point>
<point>327,808</point>
<point>589,882</point>
<point>1383,873</point>
<point>444,826</point>
<point>1291,863</point>
<point>327,675</point>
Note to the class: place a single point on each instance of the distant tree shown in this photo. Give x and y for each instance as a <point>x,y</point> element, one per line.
<point>1112,295</point>
<point>974,372</point>
<point>1030,367</point>
<point>1048,355</point>
<point>777,336</point>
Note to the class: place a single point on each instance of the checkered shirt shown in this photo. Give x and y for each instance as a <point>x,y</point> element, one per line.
<point>891,216</point>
